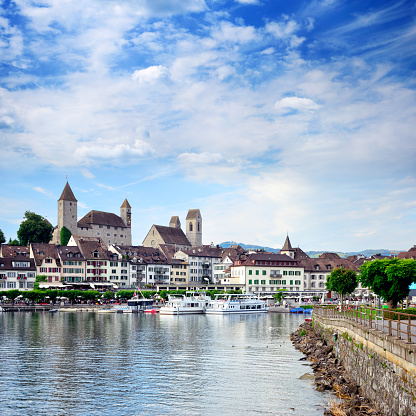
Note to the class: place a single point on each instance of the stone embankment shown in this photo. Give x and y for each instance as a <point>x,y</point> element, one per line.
<point>330,375</point>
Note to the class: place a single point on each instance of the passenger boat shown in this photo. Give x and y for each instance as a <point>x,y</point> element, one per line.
<point>237,303</point>
<point>135,305</point>
<point>189,303</point>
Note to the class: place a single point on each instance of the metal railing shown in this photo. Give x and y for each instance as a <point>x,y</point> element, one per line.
<point>397,324</point>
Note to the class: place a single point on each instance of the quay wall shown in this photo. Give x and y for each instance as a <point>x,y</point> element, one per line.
<point>384,367</point>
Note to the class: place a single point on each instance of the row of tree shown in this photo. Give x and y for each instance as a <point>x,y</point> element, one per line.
<point>390,279</point>
<point>35,229</point>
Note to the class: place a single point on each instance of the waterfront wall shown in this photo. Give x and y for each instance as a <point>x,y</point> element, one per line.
<point>384,367</point>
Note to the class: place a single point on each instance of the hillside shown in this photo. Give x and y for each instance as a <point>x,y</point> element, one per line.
<point>314,254</point>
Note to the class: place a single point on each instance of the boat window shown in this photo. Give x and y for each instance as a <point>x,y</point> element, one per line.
<point>258,306</point>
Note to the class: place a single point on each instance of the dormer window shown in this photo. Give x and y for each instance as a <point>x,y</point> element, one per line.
<point>69,255</point>
<point>316,266</point>
<point>328,267</point>
<point>95,254</point>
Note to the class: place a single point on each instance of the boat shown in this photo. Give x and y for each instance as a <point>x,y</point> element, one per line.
<point>189,303</point>
<point>236,303</point>
<point>134,305</point>
<point>53,310</point>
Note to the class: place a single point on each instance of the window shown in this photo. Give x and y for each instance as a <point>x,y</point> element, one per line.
<point>257,272</point>
<point>108,227</point>
<point>263,282</point>
<point>250,272</point>
<point>256,282</point>
<point>190,226</point>
<point>100,226</point>
<point>264,273</point>
<point>48,260</point>
<point>284,272</point>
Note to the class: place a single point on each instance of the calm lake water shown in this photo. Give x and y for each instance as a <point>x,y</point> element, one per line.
<point>127,364</point>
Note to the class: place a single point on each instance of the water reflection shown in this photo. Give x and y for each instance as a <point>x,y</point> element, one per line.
<point>114,364</point>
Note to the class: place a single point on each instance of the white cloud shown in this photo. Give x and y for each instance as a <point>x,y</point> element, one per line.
<point>297,103</point>
<point>248,1</point>
<point>87,174</point>
<point>150,74</point>
<point>282,29</point>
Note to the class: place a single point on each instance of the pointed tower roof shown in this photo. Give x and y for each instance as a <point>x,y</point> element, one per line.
<point>125,204</point>
<point>287,246</point>
<point>193,214</point>
<point>67,194</point>
<point>175,222</point>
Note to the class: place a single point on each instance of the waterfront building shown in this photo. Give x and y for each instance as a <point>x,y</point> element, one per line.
<point>222,271</point>
<point>73,264</point>
<point>317,270</point>
<point>18,272</point>
<point>410,254</point>
<point>267,273</point>
<point>109,227</point>
<point>48,264</point>
<point>146,265</point>
<point>179,274</point>
<point>201,262</point>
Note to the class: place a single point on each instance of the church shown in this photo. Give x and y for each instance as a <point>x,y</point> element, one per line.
<point>111,228</point>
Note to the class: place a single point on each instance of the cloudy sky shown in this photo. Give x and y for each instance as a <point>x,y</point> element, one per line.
<point>270,116</point>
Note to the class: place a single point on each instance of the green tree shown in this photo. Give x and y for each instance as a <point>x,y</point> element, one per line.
<point>39,279</point>
<point>389,278</point>
<point>14,242</point>
<point>342,281</point>
<point>12,294</point>
<point>72,295</point>
<point>65,236</point>
<point>108,295</point>
<point>34,229</point>
<point>2,237</point>
<point>32,295</point>
<point>280,295</point>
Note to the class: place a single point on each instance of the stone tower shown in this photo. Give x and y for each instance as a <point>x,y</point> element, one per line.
<point>67,210</point>
<point>125,213</point>
<point>194,227</point>
<point>175,222</point>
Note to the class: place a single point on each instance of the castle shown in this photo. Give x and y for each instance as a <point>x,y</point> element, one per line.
<point>111,228</point>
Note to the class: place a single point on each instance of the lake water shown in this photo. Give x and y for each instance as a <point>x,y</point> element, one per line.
<point>127,364</point>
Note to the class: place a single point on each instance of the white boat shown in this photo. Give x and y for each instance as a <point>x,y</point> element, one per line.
<point>134,305</point>
<point>236,303</point>
<point>189,303</point>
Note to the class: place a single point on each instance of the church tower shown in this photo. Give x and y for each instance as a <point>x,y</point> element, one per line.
<point>287,248</point>
<point>67,210</point>
<point>125,213</point>
<point>194,227</point>
<point>175,222</point>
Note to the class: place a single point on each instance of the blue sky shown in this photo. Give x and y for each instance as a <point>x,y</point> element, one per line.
<point>271,117</point>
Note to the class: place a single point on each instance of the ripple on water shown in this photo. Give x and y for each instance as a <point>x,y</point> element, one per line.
<point>77,364</point>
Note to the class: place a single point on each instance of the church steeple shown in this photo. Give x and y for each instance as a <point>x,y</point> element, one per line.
<point>125,213</point>
<point>287,248</point>
<point>67,210</point>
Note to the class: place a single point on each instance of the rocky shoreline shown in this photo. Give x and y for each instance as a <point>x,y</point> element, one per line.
<point>330,375</point>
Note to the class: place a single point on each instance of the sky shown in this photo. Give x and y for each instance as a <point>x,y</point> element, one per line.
<point>272,117</point>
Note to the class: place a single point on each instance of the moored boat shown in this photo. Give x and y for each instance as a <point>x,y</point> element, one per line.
<point>236,303</point>
<point>189,303</point>
<point>135,305</point>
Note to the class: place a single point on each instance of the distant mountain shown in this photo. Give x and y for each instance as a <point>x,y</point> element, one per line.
<point>248,246</point>
<point>314,254</point>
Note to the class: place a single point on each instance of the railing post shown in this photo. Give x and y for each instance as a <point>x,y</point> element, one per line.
<point>390,332</point>
<point>398,326</point>
<point>409,336</point>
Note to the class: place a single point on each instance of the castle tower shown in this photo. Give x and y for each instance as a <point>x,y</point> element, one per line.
<point>67,210</point>
<point>194,227</point>
<point>175,222</point>
<point>125,213</point>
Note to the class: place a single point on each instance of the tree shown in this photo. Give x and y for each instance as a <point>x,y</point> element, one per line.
<point>2,237</point>
<point>389,278</point>
<point>14,242</point>
<point>39,279</point>
<point>65,236</point>
<point>342,281</point>
<point>34,229</point>
<point>12,294</point>
<point>108,295</point>
<point>279,296</point>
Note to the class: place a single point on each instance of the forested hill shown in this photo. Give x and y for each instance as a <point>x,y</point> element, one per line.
<point>366,253</point>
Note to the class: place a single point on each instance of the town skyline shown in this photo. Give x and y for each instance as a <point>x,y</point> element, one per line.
<point>272,119</point>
